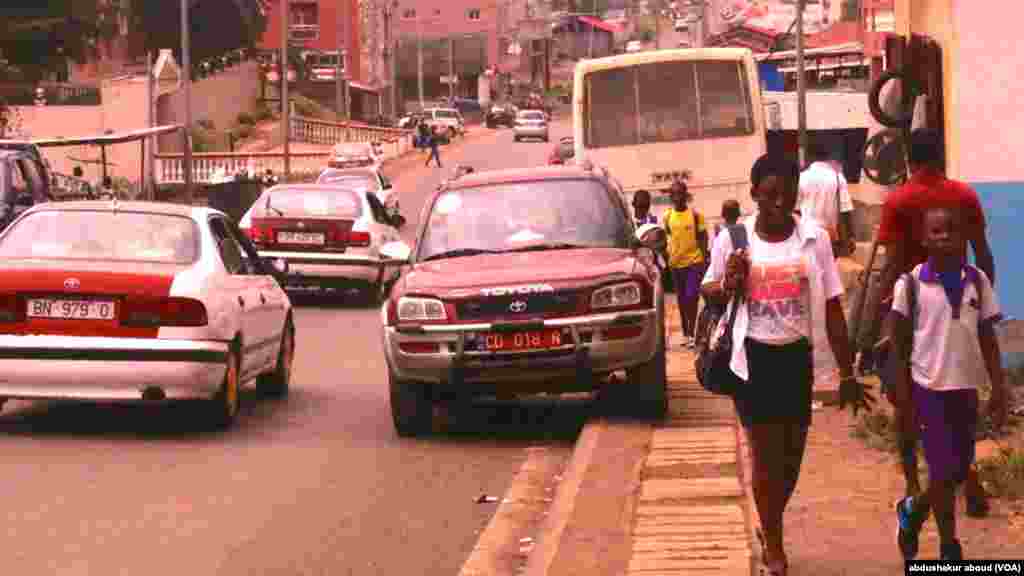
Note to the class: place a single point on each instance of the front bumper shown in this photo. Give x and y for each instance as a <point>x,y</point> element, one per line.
<point>305,268</point>
<point>109,369</point>
<point>572,366</point>
<point>531,131</point>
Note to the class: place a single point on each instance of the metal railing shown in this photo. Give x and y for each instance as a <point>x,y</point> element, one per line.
<point>210,167</point>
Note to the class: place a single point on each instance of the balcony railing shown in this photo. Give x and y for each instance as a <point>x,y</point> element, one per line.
<point>303,32</point>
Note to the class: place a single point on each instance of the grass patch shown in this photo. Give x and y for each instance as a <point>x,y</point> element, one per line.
<point>1003,474</point>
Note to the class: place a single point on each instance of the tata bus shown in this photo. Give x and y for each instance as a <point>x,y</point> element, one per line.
<point>652,117</point>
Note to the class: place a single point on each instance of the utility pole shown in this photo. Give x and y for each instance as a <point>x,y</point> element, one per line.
<point>286,126</point>
<point>657,26</point>
<point>341,65</point>
<point>702,24</point>
<point>389,15</point>
<point>451,68</point>
<point>801,84</point>
<point>419,57</point>
<point>186,65</point>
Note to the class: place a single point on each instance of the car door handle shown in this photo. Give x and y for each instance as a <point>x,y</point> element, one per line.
<point>241,302</point>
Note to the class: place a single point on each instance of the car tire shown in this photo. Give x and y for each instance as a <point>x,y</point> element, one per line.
<point>648,381</point>
<point>412,411</point>
<point>226,404</point>
<point>277,383</point>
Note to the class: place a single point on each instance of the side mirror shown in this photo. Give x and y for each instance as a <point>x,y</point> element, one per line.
<point>395,253</point>
<point>278,265</point>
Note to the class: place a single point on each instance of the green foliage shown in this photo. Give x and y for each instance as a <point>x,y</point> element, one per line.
<point>36,37</point>
<point>1003,474</point>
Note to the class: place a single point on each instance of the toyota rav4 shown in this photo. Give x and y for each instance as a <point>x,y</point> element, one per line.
<point>521,282</point>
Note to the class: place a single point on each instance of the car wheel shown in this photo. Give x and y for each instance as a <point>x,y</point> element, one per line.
<point>276,383</point>
<point>411,409</point>
<point>648,383</point>
<point>225,405</point>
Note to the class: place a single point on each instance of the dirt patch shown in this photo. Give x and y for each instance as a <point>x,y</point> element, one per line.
<point>841,519</point>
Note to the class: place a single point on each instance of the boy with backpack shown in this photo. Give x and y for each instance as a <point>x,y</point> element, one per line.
<point>942,326</point>
<point>687,256</point>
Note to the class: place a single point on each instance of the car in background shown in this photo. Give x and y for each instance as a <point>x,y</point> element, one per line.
<point>23,184</point>
<point>410,121</point>
<point>531,124</point>
<point>330,235</point>
<point>563,152</point>
<point>139,302</point>
<point>501,115</point>
<point>523,281</point>
<point>445,121</point>
<point>366,179</point>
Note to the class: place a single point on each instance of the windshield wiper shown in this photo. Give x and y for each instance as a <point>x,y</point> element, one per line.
<point>460,252</point>
<point>548,246</point>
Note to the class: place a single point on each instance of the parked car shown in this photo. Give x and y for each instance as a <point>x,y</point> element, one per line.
<point>501,116</point>
<point>411,120</point>
<point>523,281</point>
<point>330,235</point>
<point>139,302</point>
<point>563,152</point>
<point>446,121</point>
<point>23,184</point>
<point>367,179</point>
<point>530,124</point>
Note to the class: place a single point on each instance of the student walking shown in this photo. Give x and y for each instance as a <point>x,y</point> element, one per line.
<point>942,325</point>
<point>434,141</point>
<point>825,196</point>
<point>687,256</point>
<point>787,313</point>
<point>902,234</point>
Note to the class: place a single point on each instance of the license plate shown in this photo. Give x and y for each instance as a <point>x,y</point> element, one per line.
<point>306,238</point>
<point>65,309</point>
<point>534,340</point>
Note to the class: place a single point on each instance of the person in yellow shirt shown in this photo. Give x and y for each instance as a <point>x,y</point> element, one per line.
<point>687,256</point>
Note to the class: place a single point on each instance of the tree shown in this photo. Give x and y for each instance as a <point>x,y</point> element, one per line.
<point>218,26</point>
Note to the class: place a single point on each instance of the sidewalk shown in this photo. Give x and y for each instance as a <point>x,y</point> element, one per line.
<point>692,512</point>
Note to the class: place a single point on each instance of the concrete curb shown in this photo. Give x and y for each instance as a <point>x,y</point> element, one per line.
<point>500,551</point>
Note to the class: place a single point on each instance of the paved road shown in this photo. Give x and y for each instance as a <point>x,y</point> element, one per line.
<point>316,485</point>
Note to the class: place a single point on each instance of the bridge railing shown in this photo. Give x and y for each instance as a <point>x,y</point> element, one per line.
<point>209,166</point>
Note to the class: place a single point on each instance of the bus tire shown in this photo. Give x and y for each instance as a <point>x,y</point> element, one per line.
<point>874,104</point>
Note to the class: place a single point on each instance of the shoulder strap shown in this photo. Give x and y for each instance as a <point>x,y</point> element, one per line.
<point>738,235</point>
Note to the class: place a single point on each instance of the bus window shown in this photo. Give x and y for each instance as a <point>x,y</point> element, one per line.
<point>724,101</point>
<point>611,105</point>
<point>668,110</point>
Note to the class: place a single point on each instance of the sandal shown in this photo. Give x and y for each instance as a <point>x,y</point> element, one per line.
<point>766,569</point>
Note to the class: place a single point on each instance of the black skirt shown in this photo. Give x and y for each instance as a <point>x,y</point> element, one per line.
<point>780,386</point>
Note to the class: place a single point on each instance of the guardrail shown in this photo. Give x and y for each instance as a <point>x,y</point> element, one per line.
<point>209,166</point>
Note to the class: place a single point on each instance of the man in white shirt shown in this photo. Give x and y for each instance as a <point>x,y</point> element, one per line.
<point>825,197</point>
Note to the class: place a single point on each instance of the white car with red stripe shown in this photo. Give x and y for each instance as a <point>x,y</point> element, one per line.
<point>139,302</point>
<point>330,235</point>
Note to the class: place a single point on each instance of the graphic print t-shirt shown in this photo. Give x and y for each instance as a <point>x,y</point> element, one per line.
<point>778,297</point>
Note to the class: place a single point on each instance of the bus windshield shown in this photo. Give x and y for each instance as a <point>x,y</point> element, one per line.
<point>710,99</point>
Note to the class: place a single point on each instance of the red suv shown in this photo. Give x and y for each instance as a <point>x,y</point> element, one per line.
<point>523,281</point>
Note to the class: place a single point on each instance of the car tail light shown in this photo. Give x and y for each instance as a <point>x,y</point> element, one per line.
<point>260,234</point>
<point>358,238</point>
<point>172,311</point>
<point>10,308</point>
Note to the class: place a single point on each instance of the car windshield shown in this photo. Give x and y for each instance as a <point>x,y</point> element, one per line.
<point>532,115</point>
<point>362,181</point>
<point>516,216</point>
<point>102,235</point>
<point>334,201</point>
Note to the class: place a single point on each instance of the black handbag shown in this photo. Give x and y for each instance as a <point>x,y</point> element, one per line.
<point>714,354</point>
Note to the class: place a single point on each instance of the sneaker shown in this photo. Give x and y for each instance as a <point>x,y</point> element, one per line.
<point>908,528</point>
<point>951,551</point>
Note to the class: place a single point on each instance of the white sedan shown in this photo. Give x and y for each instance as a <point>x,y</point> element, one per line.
<point>366,179</point>
<point>329,235</point>
<point>139,302</point>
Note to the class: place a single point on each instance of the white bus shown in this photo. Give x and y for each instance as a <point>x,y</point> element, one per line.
<point>654,116</point>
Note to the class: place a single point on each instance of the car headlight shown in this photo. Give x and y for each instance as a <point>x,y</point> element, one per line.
<point>420,309</point>
<point>617,295</point>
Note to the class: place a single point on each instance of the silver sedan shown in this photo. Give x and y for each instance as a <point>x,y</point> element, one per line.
<point>531,124</point>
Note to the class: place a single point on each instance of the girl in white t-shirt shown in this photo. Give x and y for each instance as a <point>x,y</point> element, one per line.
<point>789,314</point>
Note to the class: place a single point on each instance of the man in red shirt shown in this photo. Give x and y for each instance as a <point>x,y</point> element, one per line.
<point>902,234</point>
